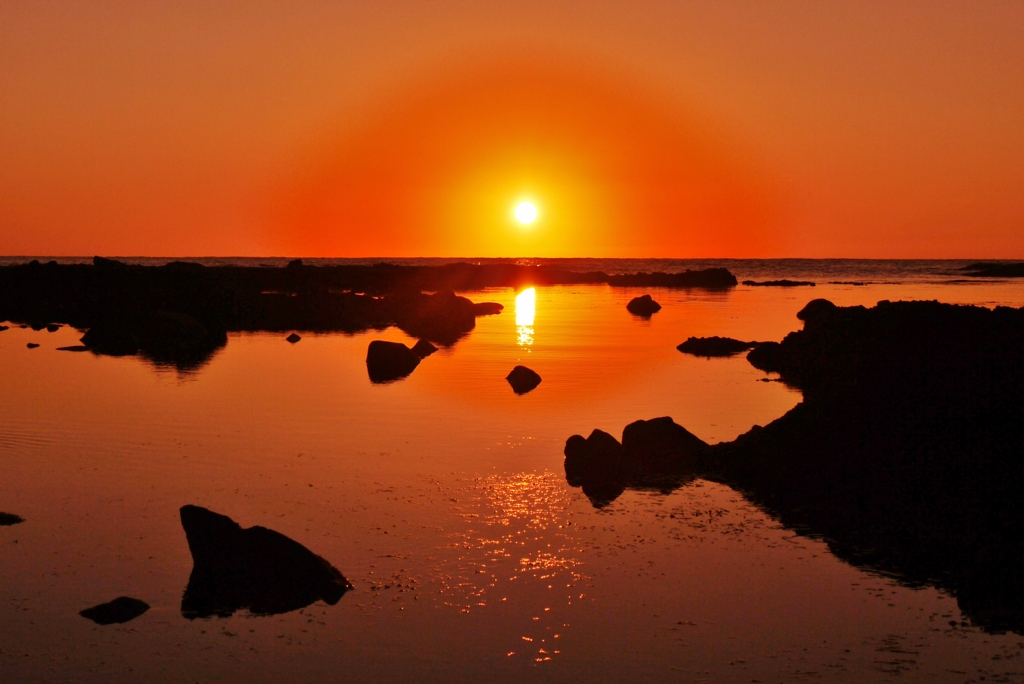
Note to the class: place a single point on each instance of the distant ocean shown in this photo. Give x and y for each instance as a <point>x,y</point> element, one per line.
<point>821,271</point>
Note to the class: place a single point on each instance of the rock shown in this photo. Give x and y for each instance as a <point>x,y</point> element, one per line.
<point>643,306</point>
<point>4,327</point>
<point>522,379</point>
<point>101,262</point>
<point>37,326</point>
<point>53,327</point>
<point>779,283</point>
<point>708,279</point>
<point>10,519</point>
<point>31,345</point>
<point>253,568</point>
<point>661,443</point>
<point>295,263</point>
<point>596,465</point>
<point>388,361</point>
<point>715,346</point>
<point>423,349</point>
<point>75,348</point>
<point>118,611</point>
<point>293,338</point>
<point>111,339</point>
<point>487,308</point>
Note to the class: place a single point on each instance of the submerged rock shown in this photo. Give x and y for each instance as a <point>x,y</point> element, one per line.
<point>643,306</point>
<point>715,346</point>
<point>4,327</point>
<point>522,379</point>
<point>423,349</point>
<point>32,345</point>
<point>253,568</point>
<point>120,610</point>
<point>387,361</point>
<point>293,338</point>
<point>53,327</point>
<point>10,519</point>
<point>74,348</point>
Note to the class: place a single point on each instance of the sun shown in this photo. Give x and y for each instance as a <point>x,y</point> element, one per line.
<point>526,213</point>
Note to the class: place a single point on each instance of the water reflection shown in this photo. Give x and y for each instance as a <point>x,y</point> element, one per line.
<point>526,305</point>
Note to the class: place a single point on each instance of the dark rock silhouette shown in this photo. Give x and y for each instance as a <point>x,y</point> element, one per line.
<point>387,361</point>
<point>654,453</point>
<point>779,283</point>
<point>995,270</point>
<point>643,306</point>
<point>74,348</point>
<point>253,568</point>
<point>715,346</point>
<point>10,519</point>
<point>53,327</point>
<point>118,611</point>
<point>32,345</point>
<point>423,349</point>
<point>293,338</point>
<point>522,379</point>
<point>111,339</point>
<point>906,455</point>
<point>4,327</point>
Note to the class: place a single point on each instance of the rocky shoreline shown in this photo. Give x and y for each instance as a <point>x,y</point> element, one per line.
<point>906,455</point>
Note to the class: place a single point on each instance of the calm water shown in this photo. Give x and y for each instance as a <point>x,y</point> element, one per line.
<point>442,498</point>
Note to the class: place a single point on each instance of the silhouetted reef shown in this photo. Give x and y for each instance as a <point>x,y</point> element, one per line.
<point>10,519</point>
<point>906,455</point>
<point>715,346</point>
<point>985,269</point>
<point>779,283</point>
<point>254,568</point>
<point>120,610</point>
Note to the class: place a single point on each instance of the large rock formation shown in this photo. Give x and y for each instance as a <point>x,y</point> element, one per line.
<point>254,568</point>
<point>907,453</point>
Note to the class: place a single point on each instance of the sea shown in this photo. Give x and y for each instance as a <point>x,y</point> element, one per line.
<point>443,499</point>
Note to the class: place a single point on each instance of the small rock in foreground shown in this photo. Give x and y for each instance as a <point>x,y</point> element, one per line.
<point>643,306</point>
<point>118,611</point>
<point>10,519</point>
<point>715,346</point>
<point>293,338</point>
<point>423,349</point>
<point>387,361</point>
<point>32,345</point>
<point>522,379</point>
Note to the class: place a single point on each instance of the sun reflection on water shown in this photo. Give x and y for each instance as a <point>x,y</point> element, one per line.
<point>526,304</point>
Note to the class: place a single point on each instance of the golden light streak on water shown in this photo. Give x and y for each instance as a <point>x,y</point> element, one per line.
<point>526,305</point>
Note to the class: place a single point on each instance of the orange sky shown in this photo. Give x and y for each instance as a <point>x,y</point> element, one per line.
<point>396,128</point>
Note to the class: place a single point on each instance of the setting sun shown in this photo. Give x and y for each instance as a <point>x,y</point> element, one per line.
<point>526,213</point>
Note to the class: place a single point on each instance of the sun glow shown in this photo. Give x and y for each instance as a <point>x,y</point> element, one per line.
<point>526,213</point>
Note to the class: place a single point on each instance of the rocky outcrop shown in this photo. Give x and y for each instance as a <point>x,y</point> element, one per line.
<point>779,283</point>
<point>252,568</point>
<point>906,455</point>
<point>120,610</point>
<point>654,453</point>
<point>389,361</point>
<point>643,306</point>
<point>715,346</point>
<point>522,379</point>
<point>293,338</point>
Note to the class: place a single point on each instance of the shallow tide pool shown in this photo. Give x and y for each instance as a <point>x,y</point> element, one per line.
<point>442,498</point>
